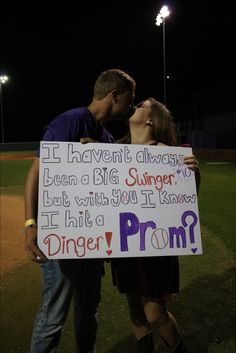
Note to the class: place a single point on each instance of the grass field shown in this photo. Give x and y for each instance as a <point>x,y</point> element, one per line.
<point>205,307</point>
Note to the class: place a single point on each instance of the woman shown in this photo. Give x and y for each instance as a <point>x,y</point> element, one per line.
<point>148,282</point>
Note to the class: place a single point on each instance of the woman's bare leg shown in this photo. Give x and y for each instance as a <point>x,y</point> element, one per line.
<point>158,317</point>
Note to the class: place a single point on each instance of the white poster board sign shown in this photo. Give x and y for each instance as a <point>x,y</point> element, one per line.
<point>111,200</point>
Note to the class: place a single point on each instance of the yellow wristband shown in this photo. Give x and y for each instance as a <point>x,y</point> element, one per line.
<point>30,221</point>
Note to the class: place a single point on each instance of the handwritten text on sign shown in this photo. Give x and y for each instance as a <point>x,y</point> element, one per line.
<point>110,200</point>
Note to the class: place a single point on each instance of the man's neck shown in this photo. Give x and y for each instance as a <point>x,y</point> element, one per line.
<point>98,110</point>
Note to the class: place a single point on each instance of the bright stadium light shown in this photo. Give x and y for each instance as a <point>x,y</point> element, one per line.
<point>3,80</point>
<point>161,19</point>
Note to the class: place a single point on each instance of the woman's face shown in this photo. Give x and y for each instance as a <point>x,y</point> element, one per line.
<point>142,113</point>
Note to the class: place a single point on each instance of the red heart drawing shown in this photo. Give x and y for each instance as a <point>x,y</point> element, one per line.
<point>109,252</point>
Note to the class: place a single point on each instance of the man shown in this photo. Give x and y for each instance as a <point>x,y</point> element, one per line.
<point>112,99</point>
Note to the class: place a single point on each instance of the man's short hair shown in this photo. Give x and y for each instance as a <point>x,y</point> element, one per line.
<point>113,79</point>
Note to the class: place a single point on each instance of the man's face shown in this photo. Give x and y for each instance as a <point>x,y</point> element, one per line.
<point>125,105</point>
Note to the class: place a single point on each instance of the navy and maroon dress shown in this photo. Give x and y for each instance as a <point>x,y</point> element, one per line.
<point>155,276</point>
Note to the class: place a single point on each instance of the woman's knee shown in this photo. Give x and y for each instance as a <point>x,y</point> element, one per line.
<point>156,314</point>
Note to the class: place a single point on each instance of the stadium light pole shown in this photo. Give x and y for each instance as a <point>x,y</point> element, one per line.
<point>3,80</point>
<point>161,18</point>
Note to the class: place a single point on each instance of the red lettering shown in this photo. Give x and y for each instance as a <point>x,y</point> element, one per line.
<point>145,179</point>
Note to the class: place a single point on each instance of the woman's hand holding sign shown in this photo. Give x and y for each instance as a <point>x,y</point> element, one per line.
<point>191,162</point>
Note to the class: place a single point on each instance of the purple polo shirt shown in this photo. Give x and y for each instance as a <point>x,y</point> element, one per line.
<point>74,124</point>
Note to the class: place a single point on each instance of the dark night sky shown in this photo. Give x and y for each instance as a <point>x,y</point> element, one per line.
<point>53,57</point>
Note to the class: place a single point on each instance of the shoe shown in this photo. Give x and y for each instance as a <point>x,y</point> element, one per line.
<point>180,347</point>
<point>145,344</point>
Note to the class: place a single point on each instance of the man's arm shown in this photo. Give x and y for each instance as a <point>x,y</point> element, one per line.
<point>31,210</point>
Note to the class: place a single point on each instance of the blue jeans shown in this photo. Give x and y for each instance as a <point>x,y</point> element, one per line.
<point>63,279</point>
